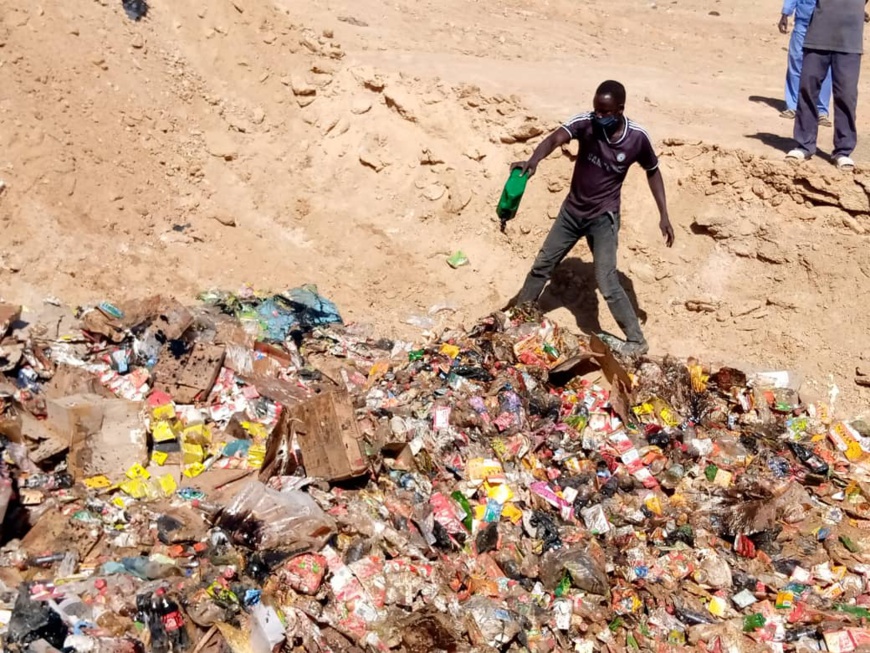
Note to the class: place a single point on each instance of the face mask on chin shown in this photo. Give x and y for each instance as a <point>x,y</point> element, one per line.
<point>606,125</point>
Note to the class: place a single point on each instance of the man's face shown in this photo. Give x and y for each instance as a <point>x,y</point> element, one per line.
<point>605,105</point>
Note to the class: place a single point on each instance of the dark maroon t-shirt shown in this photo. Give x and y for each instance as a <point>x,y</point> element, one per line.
<point>602,164</point>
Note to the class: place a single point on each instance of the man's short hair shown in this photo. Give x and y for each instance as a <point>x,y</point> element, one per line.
<point>613,89</point>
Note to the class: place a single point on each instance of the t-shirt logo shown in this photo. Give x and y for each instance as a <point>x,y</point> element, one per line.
<point>620,157</point>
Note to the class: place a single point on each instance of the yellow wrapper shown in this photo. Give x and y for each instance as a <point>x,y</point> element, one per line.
<point>512,513</point>
<point>256,430</point>
<point>717,606</point>
<point>97,482</point>
<point>192,453</point>
<point>480,468</point>
<point>122,502</point>
<point>501,493</point>
<point>136,488</point>
<point>853,451</point>
<point>643,409</point>
<point>653,504</point>
<point>699,379</point>
<point>162,432</point>
<point>137,471</point>
<point>256,456</point>
<point>723,478</point>
<point>449,350</point>
<point>198,433</point>
<point>167,484</point>
<point>194,470</point>
<point>165,412</point>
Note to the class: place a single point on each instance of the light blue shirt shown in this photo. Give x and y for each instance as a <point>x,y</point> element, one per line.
<point>802,9</point>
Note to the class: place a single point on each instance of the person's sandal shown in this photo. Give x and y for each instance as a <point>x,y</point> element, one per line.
<point>844,163</point>
<point>825,121</point>
<point>796,155</point>
<point>788,114</point>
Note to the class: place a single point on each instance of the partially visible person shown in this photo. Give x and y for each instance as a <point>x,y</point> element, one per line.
<point>609,144</point>
<point>835,42</point>
<point>802,10</point>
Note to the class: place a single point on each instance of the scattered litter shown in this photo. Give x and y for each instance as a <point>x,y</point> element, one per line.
<point>457,260</point>
<point>250,474</point>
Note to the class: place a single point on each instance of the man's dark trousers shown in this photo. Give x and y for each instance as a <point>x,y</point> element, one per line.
<point>845,69</point>
<point>602,234</point>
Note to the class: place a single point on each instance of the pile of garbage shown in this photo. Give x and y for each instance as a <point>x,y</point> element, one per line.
<point>252,475</point>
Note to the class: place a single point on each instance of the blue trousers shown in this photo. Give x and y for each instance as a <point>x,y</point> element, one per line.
<point>846,70</point>
<point>793,75</point>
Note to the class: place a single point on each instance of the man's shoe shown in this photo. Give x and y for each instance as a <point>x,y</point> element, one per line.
<point>788,114</point>
<point>844,163</point>
<point>624,348</point>
<point>797,154</point>
<point>825,120</point>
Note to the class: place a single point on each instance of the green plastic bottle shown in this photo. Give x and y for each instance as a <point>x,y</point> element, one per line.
<point>511,196</point>
<point>752,622</point>
<point>468,520</point>
<point>854,610</point>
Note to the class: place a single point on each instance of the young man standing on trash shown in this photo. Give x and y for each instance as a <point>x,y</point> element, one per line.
<point>835,41</point>
<point>609,144</point>
<point>802,11</point>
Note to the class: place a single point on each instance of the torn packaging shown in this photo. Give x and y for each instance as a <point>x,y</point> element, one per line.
<point>616,379</point>
<point>259,360</point>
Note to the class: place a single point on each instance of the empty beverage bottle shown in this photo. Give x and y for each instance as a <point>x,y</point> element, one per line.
<point>171,621</point>
<point>511,196</point>
<point>815,464</point>
<point>164,621</point>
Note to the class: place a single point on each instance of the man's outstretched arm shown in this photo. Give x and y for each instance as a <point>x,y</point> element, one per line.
<point>558,138</point>
<point>657,186</point>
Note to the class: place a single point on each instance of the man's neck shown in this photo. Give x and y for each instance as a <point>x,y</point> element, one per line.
<point>623,125</point>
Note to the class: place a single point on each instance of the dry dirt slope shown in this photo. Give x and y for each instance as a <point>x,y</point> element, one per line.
<point>231,142</point>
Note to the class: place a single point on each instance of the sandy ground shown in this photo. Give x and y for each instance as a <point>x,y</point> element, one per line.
<point>357,144</point>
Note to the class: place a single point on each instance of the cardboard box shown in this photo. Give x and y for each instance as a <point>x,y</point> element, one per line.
<point>328,435</point>
<point>105,436</point>
<point>189,378</point>
<point>69,380</point>
<point>99,323</point>
<point>165,314</point>
<point>42,442</point>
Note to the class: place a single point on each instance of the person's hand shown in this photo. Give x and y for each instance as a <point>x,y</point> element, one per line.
<point>527,168</point>
<point>783,24</point>
<point>667,230</point>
